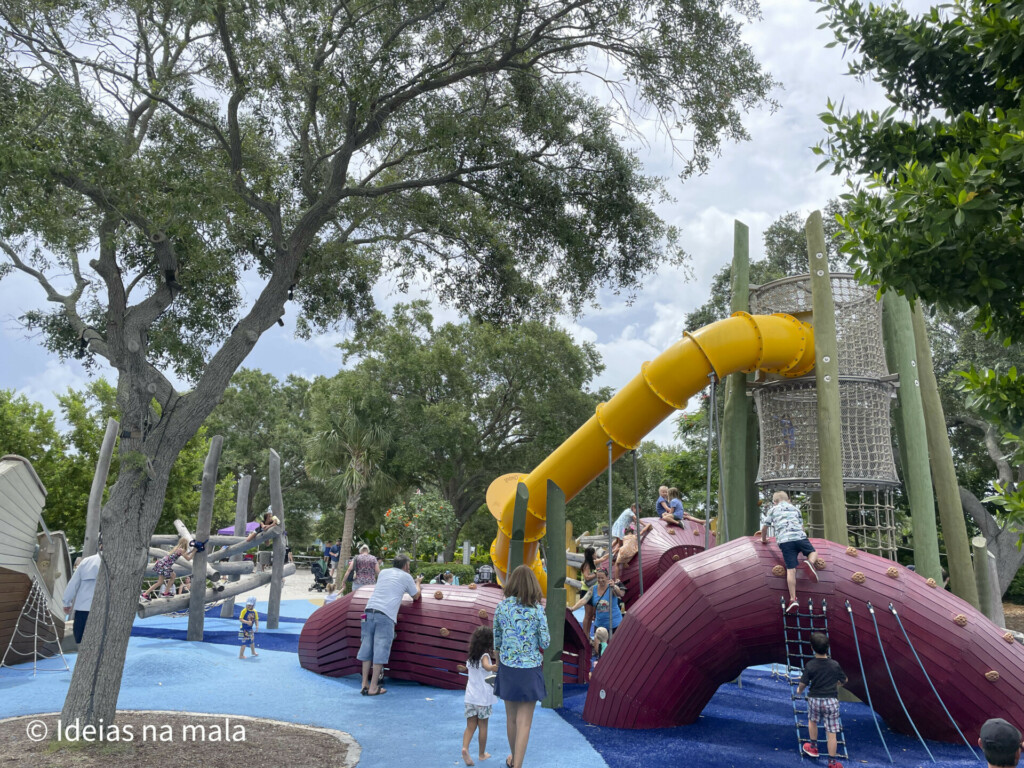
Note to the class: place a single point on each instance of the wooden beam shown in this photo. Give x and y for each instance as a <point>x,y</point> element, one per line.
<point>277,559</point>
<point>161,605</point>
<point>197,594</point>
<point>99,483</point>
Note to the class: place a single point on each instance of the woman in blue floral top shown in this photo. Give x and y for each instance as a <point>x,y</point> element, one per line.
<point>520,637</point>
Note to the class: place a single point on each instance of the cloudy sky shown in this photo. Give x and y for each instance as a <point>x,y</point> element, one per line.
<point>755,182</point>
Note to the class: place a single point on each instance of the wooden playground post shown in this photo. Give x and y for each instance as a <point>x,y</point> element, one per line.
<point>99,483</point>
<point>556,598</point>
<point>826,374</point>
<point>901,356</point>
<point>947,489</point>
<point>737,404</point>
<point>985,575</point>
<point>197,592</point>
<point>517,540</point>
<point>277,558</point>
<point>227,610</point>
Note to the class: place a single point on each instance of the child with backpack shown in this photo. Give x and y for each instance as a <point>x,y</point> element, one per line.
<point>250,625</point>
<point>479,693</point>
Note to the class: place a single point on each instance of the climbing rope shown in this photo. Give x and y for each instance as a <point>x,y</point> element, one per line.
<point>913,650</point>
<point>881,647</point>
<point>864,677</point>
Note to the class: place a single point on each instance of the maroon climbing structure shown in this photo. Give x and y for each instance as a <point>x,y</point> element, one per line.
<point>711,615</point>
<point>661,548</point>
<point>431,636</point>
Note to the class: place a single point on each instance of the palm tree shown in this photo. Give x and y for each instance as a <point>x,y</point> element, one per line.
<point>346,451</point>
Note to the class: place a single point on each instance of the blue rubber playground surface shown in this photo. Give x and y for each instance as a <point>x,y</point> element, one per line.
<point>415,725</point>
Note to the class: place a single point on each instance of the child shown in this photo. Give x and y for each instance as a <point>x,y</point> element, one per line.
<point>164,567</point>
<point>269,520</point>
<point>630,546</point>
<point>821,677</point>
<point>675,499</point>
<point>785,519</point>
<point>479,695</point>
<point>598,643</point>
<point>250,625</point>
<point>331,595</point>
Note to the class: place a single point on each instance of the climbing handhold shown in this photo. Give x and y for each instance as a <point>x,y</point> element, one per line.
<point>893,572</point>
<point>859,577</point>
<point>445,632</point>
<point>992,676</point>
<point>696,532</point>
<point>670,531</point>
<point>461,668</point>
<point>819,564</point>
<point>482,613</point>
<point>439,595</point>
<point>931,583</point>
<point>471,586</point>
<point>1008,637</point>
<point>675,557</point>
<point>851,551</point>
<point>779,570</point>
<point>960,620</point>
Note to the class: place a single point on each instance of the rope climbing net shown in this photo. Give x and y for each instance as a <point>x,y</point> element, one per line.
<point>35,635</point>
<point>870,520</point>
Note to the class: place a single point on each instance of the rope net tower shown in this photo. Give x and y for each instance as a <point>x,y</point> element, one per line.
<point>788,417</point>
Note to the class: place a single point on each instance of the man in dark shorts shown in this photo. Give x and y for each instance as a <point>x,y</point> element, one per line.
<point>1001,743</point>
<point>785,519</point>
<point>377,626</point>
<point>822,677</point>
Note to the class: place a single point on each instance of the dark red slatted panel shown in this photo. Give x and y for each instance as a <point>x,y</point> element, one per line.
<point>717,612</point>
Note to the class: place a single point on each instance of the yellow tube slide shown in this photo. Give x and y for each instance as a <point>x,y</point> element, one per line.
<point>773,343</point>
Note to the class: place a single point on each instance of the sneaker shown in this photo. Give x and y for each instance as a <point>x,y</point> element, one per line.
<point>834,764</point>
<point>144,597</point>
<point>811,751</point>
<point>812,569</point>
<point>793,606</point>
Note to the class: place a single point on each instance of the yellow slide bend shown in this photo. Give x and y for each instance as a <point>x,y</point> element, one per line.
<point>773,343</point>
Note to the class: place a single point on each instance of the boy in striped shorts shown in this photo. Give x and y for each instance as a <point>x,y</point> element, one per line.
<point>822,677</point>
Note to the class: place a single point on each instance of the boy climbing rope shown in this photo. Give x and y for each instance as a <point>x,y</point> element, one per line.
<point>822,677</point>
<point>250,625</point>
<point>785,520</point>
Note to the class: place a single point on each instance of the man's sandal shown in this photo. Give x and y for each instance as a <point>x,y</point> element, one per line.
<point>380,692</point>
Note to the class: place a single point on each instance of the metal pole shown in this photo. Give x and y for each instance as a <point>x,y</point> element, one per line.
<point>707,495</point>
<point>611,523</point>
<point>636,500</point>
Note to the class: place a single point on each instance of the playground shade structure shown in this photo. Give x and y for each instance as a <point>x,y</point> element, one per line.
<point>772,343</point>
<point>716,613</point>
<point>431,636</point>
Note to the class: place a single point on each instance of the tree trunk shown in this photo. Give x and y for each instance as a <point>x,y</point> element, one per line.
<point>127,522</point>
<point>347,533</point>
<point>1001,542</point>
<point>464,509</point>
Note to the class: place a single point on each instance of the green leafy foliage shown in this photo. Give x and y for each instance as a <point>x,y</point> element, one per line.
<point>420,526</point>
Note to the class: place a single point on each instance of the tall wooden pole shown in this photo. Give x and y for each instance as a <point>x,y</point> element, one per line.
<point>227,610</point>
<point>277,558</point>
<point>753,520</point>
<point>737,405</point>
<point>555,608</point>
<point>517,542</point>
<point>197,592</point>
<point>99,483</point>
<point>901,356</point>
<point>826,374</point>
<point>947,489</point>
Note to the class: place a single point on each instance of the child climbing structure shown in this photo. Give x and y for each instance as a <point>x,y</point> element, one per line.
<point>711,614</point>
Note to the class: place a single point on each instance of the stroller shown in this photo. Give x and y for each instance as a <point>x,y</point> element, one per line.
<point>320,576</point>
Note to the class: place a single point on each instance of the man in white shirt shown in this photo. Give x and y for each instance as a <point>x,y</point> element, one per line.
<point>377,627</point>
<point>79,591</point>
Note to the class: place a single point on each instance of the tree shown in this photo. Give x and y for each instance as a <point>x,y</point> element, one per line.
<point>937,202</point>
<point>470,401</point>
<point>346,450</point>
<point>257,413</point>
<point>156,154</point>
<point>420,525</point>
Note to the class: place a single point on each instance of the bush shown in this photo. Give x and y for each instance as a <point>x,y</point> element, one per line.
<point>428,571</point>
<point>1015,592</point>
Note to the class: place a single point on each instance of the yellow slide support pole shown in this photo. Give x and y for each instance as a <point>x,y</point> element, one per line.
<point>773,343</point>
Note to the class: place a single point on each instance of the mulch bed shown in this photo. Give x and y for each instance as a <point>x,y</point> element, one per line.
<point>1014,616</point>
<point>189,740</point>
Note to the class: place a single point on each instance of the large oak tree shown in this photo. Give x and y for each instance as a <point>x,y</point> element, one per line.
<point>156,152</point>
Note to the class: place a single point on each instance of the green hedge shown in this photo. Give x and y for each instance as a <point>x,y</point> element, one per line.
<point>429,570</point>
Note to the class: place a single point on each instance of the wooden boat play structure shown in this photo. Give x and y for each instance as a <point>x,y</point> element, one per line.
<point>34,567</point>
<point>431,636</point>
